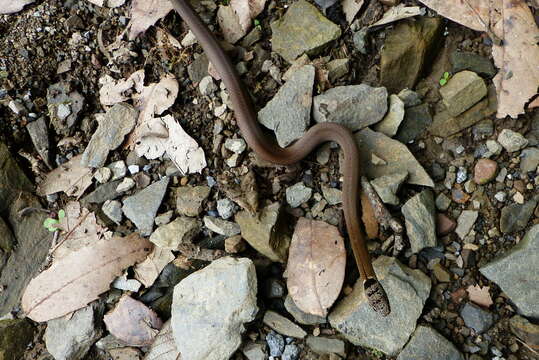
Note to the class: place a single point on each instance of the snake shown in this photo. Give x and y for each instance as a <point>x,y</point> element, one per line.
<point>267,149</point>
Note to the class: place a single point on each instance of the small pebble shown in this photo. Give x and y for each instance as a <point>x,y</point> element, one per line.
<point>485,170</point>
<point>125,185</point>
<point>133,169</point>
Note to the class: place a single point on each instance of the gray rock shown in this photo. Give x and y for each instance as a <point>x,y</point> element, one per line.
<point>214,303</point>
<point>396,155</point>
<point>416,120</point>
<point>220,226</point>
<point>226,208</point>
<point>427,343</point>
<point>164,218</point>
<point>516,273</point>
<point>465,222</point>
<point>391,122</point>
<point>276,344</point>
<point>355,106</point>
<point>282,325</point>
<point>515,217</point>
<point>511,140</point>
<point>291,352</point>
<point>102,193</point>
<point>33,241</point>
<point>300,316</point>
<point>141,208</point>
<point>298,194</point>
<point>303,29</point>
<point>442,202</point>
<point>337,69</point>
<point>39,134</point>
<point>289,112</point>
<point>476,318</point>
<point>61,96</point>
<point>235,145</point>
<point>207,86</point>
<point>407,291</point>
<point>462,91</point>
<point>473,62</point>
<point>409,97</point>
<point>119,169</point>
<point>15,337</point>
<point>254,351</point>
<point>332,195</point>
<point>102,175</point>
<point>420,216</point>
<point>198,68</point>
<point>189,199</point>
<point>113,210</point>
<point>387,187</point>
<point>180,231</point>
<point>111,130</point>
<point>407,48</point>
<point>70,337</point>
<point>266,232</point>
<point>324,345</point>
<point>529,159</point>
<point>359,40</point>
<point>125,185</point>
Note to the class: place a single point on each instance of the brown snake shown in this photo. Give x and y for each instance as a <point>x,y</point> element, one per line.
<point>268,150</point>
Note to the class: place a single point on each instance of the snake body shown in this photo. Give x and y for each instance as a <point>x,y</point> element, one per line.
<point>268,150</point>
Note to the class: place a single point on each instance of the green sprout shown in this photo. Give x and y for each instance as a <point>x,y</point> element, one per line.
<point>256,22</point>
<point>444,79</point>
<point>51,223</point>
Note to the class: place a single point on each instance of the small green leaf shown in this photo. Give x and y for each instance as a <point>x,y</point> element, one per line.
<point>50,224</point>
<point>446,75</point>
<point>61,214</point>
<point>257,22</point>
<point>443,82</point>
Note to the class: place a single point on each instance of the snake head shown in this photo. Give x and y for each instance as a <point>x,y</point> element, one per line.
<point>377,297</point>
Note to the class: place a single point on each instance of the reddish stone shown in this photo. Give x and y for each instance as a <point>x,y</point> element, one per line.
<point>485,170</point>
<point>444,224</point>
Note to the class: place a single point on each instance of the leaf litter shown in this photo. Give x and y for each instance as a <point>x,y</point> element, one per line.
<point>71,178</point>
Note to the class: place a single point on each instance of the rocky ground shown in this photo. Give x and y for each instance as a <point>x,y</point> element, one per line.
<point>78,176</point>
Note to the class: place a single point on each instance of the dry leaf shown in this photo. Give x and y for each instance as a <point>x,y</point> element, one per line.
<point>164,346</point>
<point>148,270</point>
<point>132,322</point>
<point>81,276</point>
<point>397,13</point>
<point>165,135</point>
<point>12,6</point>
<point>151,100</point>
<point>315,268</point>
<point>479,295</point>
<point>114,91</point>
<point>145,13</point>
<point>237,18</point>
<point>79,229</point>
<point>515,51</point>
<point>71,178</point>
<point>517,58</point>
<point>165,39</point>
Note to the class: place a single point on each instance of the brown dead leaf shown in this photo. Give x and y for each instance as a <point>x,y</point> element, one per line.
<point>165,135</point>
<point>397,13</point>
<point>245,194</point>
<point>515,51</point>
<point>71,178</point>
<point>164,346</point>
<point>115,91</point>
<point>13,6</point>
<point>237,18</point>
<point>147,271</point>
<point>145,13</point>
<point>479,295</point>
<point>132,322</point>
<point>79,228</point>
<point>517,58</point>
<point>78,278</point>
<point>315,268</point>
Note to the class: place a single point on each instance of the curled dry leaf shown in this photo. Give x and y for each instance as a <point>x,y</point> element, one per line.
<point>71,178</point>
<point>147,271</point>
<point>115,91</point>
<point>237,18</point>
<point>515,51</point>
<point>12,6</point>
<point>81,276</point>
<point>316,264</point>
<point>145,13</point>
<point>165,135</point>
<point>79,228</point>
<point>132,322</point>
<point>164,346</point>
<point>397,13</point>
<point>479,295</point>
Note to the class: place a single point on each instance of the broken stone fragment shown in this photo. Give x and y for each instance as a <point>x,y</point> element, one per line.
<point>462,91</point>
